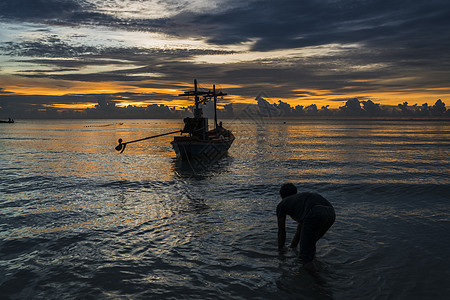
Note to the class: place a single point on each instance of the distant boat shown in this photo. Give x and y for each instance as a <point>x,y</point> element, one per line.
<point>9,121</point>
<point>200,141</point>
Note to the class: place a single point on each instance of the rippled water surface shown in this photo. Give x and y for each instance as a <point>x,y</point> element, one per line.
<point>79,220</point>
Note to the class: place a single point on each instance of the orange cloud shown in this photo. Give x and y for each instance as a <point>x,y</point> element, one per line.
<point>26,86</point>
<point>305,97</point>
<point>75,106</point>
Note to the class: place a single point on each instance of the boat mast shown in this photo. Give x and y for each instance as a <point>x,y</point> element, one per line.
<point>197,112</point>
<point>215,107</point>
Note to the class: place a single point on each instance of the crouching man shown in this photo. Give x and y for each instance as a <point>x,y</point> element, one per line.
<point>314,215</point>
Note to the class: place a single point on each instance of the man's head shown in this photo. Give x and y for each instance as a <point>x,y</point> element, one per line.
<point>287,189</point>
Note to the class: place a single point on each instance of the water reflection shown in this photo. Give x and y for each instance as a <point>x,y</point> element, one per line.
<point>201,167</point>
<point>130,224</point>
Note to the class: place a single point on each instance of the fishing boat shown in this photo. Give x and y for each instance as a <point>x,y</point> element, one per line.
<point>200,141</point>
<point>196,139</point>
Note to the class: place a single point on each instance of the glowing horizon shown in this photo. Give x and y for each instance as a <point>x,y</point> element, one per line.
<point>46,87</point>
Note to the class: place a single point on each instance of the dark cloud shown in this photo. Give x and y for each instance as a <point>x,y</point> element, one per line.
<point>353,107</point>
<point>48,47</point>
<point>402,29</point>
<point>72,13</point>
<point>282,24</point>
<point>289,24</point>
<point>53,46</point>
<point>61,57</point>
<point>39,9</point>
<point>403,38</point>
<point>38,106</point>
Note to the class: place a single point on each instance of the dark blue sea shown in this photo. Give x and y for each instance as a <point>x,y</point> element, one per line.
<point>81,221</point>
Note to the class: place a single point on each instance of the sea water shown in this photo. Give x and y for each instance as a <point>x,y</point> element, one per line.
<point>81,221</point>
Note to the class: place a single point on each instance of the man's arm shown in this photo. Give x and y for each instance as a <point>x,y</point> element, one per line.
<point>281,232</point>
<point>296,238</point>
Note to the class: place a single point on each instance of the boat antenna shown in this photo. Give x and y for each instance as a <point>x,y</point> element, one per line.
<point>197,112</point>
<point>215,106</point>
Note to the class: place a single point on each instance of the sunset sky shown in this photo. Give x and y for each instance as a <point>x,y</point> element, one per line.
<point>66,54</point>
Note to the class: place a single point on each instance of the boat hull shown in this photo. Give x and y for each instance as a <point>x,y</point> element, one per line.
<point>186,147</point>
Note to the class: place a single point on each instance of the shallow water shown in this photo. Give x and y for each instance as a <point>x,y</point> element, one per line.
<point>79,220</point>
